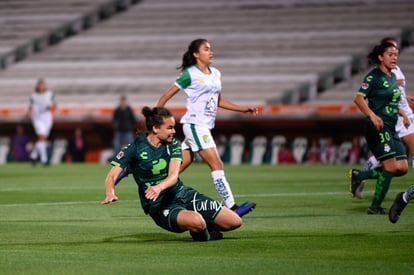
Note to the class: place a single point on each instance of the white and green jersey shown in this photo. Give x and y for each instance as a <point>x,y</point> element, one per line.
<point>403,104</point>
<point>202,95</point>
<point>41,103</point>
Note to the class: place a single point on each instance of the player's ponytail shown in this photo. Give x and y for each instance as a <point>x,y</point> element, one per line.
<point>188,57</point>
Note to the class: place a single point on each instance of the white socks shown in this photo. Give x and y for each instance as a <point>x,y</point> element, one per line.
<point>223,187</point>
<point>40,148</point>
<point>34,154</point>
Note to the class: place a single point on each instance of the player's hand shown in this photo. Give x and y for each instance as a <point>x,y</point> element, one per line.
<point>153,192</point>
<point>252,110</point>
<point>109,199</point>
<point>377,121</point>
<point>407,121</point>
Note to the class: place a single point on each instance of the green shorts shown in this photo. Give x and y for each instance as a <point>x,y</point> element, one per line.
<point>385,143</point>
<point>186,199</point>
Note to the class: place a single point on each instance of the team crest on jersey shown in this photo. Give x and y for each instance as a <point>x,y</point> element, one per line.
<point>120,155</point>
<point>365,86</point>
<point>387,148</point>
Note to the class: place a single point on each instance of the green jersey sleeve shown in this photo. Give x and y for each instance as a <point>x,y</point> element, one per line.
<point>124,156</point>
<point>176,153</point>
<point>367,85</point>
<point>184,80</point>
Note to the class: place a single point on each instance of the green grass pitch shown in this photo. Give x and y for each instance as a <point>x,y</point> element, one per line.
<point>305,222</point>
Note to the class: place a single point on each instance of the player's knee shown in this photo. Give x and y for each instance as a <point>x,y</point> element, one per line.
<point>198,223</point>
<point>228,220</point>
<point>403,170</point>
<point>236,222</point>
<point>190,220</point>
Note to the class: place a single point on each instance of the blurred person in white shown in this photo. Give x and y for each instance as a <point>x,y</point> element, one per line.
<point>329,151</point>
<point>41,107</point>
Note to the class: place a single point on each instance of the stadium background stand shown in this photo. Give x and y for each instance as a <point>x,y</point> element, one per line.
<point>298,60</point>
<point>345,91</point>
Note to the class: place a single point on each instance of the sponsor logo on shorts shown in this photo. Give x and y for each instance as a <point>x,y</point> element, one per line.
<point>207,205</point>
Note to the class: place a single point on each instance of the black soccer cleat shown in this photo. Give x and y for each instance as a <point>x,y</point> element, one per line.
<point>359,191</point>
<point>396,208</point>
<point>354,183</point>
<point>215,235</point>
<point>377,211</point>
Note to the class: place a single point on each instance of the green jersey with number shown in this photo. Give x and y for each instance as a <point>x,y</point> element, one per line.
<point>149,166</point>
<point>383,95</point>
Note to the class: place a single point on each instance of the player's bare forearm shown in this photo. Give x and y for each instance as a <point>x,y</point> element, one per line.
<point>225,104</point>
<point>154,191</point>
<point>363,106</point>
<point>110,185</point>
<point>167,96</point>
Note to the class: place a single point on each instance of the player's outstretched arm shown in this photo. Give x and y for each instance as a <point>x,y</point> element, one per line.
<point>225,104</point>
<point>167,95</point>
<point>110,185</point>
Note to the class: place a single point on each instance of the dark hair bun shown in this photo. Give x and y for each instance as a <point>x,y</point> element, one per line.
<point>146,111</point>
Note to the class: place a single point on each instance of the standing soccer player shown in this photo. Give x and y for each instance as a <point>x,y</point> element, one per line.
<point>406,134</point>
<point>381,90</point>
<point>154,159</point>
<point>202,85</point>
<point>41,107</point>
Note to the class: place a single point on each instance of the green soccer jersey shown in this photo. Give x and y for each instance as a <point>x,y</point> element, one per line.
<point>383,95</point>
<point>149,166</point>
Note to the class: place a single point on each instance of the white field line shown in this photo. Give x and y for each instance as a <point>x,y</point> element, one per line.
<point>268,195</point>
<point>24,189</point>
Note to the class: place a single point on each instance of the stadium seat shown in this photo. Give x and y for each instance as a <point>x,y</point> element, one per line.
<point>259,146</point>
<point>4,149</point>
<point>343,151</point>
<point>275,144</point>
<point>58,151</point>
<point>329,150</point>
<point>223,148</point>
<point>236,149</point>
<point>299,147</point>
